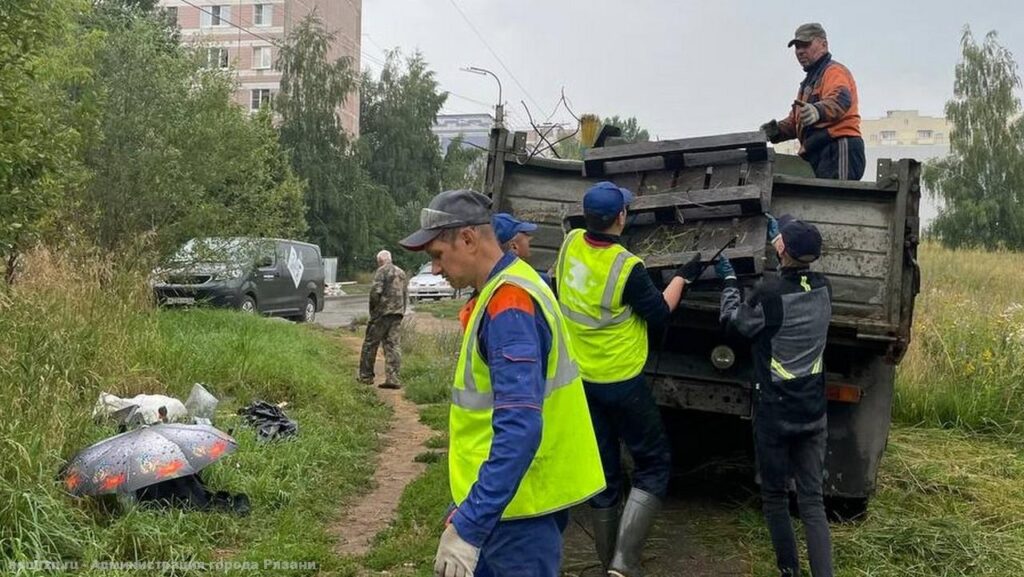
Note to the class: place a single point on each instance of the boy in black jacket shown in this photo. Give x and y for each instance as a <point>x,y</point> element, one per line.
<point>787,319</point>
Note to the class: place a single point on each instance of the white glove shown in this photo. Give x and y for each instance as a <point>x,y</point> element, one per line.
<point>455,557</point>
<point>809,115</point>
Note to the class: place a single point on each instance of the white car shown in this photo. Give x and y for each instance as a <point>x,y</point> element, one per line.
<point>427,285</point>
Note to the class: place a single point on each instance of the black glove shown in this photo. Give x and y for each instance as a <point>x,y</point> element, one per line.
<point>771,130</point>
<point>692,270</point>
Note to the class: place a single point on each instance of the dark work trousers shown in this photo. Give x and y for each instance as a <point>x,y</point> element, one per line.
<point>794,452</point>
<point>840,159</point>
<point>626,411</point>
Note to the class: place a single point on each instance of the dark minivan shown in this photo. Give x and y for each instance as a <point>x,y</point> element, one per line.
<point>271,276</point>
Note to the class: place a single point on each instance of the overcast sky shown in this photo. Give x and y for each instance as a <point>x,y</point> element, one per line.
<point>683,68</point>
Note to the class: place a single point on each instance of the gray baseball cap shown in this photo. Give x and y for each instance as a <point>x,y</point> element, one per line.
<point>449,209</point>
<point>807,32</point>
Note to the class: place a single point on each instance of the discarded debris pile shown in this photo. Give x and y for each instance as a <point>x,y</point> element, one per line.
<point>270,421</point>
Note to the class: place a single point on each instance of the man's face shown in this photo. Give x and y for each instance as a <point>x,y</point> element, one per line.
<point>453,260</point>
<point>521,245</point>
<point>808,53</point>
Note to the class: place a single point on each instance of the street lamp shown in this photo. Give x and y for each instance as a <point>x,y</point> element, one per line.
<point>499,109</point>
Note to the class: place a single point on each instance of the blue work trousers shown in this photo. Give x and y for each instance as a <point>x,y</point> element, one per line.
<point>524,548</point>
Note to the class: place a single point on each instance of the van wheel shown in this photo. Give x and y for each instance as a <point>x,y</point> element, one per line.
<point>308,312</point>
<point>247,305</point>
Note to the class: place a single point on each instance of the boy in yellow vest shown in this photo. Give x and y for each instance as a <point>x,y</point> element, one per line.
<point>521,448</point>
<point>608,299</point>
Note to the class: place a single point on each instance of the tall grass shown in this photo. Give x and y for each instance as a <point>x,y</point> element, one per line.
<point>428,364</point>
<point>949,504</point>
<point>965,366</point>
<point>70,329</point>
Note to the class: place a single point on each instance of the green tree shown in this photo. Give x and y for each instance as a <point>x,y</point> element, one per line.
<point>631,129</point>
<point>399,109</point>
<point>981,181</point>
<point>344,206</point>
<point>41,56</point>
<point>173,156</point>
<point>398,147</point>
<point>464,166</point>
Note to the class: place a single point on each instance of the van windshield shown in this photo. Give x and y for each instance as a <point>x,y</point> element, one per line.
<point>238,251</point>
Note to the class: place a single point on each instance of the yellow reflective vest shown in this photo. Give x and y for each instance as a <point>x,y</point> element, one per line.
<point>610,341</point>
<point>566,469</point>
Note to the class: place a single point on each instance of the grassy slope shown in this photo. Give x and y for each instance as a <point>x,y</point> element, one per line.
<point>67,334</point>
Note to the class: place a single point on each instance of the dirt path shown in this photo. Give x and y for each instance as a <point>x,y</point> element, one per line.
<point>695,535</point>
<point>686,540</point>
<point>396,468</point>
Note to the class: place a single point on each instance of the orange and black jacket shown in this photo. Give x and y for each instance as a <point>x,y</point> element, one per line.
<point>829,86</point>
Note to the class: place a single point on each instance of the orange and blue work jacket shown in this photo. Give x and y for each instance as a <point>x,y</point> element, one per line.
<point>829,86</point>
<point>515,340</point>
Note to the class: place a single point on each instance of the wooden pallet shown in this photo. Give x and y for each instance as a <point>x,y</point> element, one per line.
<point>674,154</point>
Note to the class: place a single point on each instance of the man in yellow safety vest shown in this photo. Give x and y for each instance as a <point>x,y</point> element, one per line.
<point>522,448</point>
<point>608,298</point>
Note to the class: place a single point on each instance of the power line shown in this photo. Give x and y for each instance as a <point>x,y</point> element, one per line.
<point>468,99</point>
<point>374,42</point>
<point>493,53</point>
<point>232,24</point>
<point>273,42</point>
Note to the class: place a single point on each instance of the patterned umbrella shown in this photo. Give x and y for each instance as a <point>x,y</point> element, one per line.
<point>145,456</point>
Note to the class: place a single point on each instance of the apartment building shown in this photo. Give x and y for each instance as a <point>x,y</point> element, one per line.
<point>474,129</point>
<point>246,35</point>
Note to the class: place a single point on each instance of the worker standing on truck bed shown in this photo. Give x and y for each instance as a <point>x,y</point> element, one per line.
<point>608,298</point>
<point>824,116</point>
<point>521,448</point>
<point>787,318</point>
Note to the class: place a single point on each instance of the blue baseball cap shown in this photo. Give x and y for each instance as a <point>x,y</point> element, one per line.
<point>506,226</point>
<point>802,239</point>
<point>606,199</point>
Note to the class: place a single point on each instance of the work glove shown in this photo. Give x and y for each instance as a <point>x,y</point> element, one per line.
<point>724,269</point>
<point>455,557</point>
<point>773,228</point>
<point>771,129</point>
<point>809,114</point>
<point>691,270</point>
<point>774,234</point>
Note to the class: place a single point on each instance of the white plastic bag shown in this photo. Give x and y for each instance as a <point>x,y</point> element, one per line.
<point>200,403</point>
<point>140,409</point>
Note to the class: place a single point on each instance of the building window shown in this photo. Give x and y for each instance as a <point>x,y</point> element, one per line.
<point>217,58</point>
<point>172,14</point>
<point>261,57</point>
<point>258,98</point>
<point>924,134</point>
<point>262,15</point>
<point>215,16</point>
<point>888,135</point>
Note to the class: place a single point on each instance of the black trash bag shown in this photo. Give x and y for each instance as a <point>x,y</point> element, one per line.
<point>190,492</point>
<point>269,420</point>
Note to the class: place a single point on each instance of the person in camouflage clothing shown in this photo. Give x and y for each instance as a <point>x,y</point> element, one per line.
<point>388,296</point>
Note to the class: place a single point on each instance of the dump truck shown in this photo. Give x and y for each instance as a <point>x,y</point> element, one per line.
<point>697,195</point>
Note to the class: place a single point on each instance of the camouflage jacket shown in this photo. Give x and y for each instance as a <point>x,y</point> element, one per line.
<point>388,292</point>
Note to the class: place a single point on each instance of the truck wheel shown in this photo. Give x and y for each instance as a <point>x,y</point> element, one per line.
<point>247,305</point>
<point>846,509</point>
